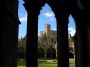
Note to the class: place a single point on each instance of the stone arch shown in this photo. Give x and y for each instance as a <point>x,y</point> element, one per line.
<point>41,53</point>
<point>53,50</point>
<point>80,38</point>
<point>50,3</point>
<point>71,37</point>
<point>61,16</point>
<point>10,26</point>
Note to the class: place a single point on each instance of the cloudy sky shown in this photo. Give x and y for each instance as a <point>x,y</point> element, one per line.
<point>46,17</point>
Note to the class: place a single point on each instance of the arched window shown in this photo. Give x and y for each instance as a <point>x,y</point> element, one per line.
<point>71,34</point>
<point>47,25</point>
<point>21,60</point>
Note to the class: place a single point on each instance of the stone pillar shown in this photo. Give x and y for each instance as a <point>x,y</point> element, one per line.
<point>88,39</point>
<point>9,45</point>
<point>9,33</point>
<point>81,45</point>
<point>84,47</point>
<point>62,41</point>
<point>88,34</point>
<point>33,10</point>
<point>86,5</point>
<point>77,48</point>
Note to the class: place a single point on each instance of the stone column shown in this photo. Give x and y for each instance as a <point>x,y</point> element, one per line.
<point>77,48</point>
<point>9,33</point>
<point>88,45</point>
<point>84,47</point>
<point>62,40</point>
<point>9,45</point>
<point>33,10</point>
<point>88,34</point>
<point>81,44</point>
<point>88,37</point>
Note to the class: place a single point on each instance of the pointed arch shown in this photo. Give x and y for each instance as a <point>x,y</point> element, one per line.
<point>41,52</point>
<point>51,53</point>
<point>50,3</point>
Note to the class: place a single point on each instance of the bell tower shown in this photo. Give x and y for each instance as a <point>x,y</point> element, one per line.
<point>47,28</point>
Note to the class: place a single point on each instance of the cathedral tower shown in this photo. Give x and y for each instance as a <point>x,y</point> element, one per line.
<point>47,29</point>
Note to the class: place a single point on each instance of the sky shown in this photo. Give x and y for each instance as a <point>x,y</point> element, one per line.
<point>46,17</point>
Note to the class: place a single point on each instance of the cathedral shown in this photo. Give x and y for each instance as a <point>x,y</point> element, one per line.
<point>47,43</point>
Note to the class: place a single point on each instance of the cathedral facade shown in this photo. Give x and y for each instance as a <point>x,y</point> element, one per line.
<point>47,43</point>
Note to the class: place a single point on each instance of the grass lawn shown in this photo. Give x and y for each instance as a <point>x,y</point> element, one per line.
<point>21,66</point>
<point>47,63</point>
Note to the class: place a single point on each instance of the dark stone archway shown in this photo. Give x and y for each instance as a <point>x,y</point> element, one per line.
<point>62,8</point>
<point>51,53</point>
<point>41,53</point>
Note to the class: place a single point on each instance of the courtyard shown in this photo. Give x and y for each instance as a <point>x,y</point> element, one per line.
<point>46,63</point>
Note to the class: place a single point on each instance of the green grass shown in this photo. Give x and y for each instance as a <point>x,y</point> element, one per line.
<point>72,62</point>
<point>21,63</point>
<point>46,63</point>
<point>21,66</point>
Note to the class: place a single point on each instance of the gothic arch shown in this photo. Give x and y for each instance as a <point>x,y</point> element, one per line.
<point>51,53</point>
<point>41,53</point>
<point>81,43</point>
<point>62,29</point>
<point>61,8</point>
<point>50,3</point>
